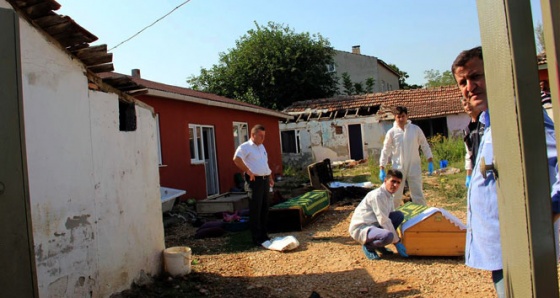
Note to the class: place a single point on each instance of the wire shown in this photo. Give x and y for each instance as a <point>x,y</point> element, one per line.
<point>137,33</point>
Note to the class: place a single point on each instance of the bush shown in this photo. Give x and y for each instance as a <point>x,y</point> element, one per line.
<point>450,149</point>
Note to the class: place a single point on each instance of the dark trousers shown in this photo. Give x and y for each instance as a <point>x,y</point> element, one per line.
<point>258,207</point>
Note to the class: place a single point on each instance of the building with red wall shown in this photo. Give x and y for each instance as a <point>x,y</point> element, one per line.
<point>198,135</point>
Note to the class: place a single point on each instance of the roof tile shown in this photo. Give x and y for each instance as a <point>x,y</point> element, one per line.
<point>421,103</point>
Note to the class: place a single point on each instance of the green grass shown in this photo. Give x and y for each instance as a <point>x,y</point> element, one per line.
<point>449,191</point>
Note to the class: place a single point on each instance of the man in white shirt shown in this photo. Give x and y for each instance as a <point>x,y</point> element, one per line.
<point>252,159</point>
<point>375,220</point>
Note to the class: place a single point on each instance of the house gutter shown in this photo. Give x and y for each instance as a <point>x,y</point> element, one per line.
<point>214,103</point>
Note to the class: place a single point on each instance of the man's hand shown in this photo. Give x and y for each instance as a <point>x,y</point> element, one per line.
<point>382,175</point>
<point>401,249</point>
<point>468,181</point>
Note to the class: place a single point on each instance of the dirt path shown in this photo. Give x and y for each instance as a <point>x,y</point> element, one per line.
<point>327,262</point>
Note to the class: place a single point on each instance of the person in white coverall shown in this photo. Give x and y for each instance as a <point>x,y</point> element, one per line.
<point>402,142</point>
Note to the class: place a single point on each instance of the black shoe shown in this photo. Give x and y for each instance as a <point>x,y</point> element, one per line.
<point>383,250</point>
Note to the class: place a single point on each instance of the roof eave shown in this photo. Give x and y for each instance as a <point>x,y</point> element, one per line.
<point>208,102</point>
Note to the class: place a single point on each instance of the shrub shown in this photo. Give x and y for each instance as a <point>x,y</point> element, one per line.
<point>450,149</point>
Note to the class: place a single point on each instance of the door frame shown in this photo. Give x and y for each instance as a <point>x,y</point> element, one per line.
<point>350,140</point>
<point>17,258</point>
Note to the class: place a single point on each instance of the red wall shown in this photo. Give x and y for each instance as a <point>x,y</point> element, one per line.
<point>543,74</point>
<point>174,119</point>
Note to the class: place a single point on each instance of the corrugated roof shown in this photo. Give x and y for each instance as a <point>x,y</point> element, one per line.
<point>421,103</point>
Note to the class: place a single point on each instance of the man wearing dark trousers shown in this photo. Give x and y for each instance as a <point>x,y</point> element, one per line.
<point>252,159</point>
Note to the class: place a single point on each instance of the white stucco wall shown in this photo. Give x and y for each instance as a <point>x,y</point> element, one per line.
<point>94,190</point>
<point>319,140</point>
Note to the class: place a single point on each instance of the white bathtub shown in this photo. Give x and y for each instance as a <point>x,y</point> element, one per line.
<point>168,197</point>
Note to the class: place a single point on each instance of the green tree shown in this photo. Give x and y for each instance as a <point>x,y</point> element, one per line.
<point>272,66</point>
<point>402,79</point>
<point>437,79</point>
<point>539,36</point>
<point>347,84</point>
<point>369,84</point>
<point>359,88</point>
<point>352,88</point>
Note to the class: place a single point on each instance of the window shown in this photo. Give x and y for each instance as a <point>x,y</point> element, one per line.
<point>195,143</point>
<point>331,68</point>
<point>240,133</point>
<point>160,160</point>
<point>290,141</point>
<point>127,116</point>
<point>338,130</point>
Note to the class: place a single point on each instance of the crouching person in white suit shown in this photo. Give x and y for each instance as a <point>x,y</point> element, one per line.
<point>375,220</point>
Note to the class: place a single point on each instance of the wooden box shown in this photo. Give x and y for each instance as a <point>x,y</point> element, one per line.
<point>227,202</point>
<point>429,231</point>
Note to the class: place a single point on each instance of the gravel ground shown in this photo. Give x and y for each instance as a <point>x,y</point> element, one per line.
<point>328,263</point>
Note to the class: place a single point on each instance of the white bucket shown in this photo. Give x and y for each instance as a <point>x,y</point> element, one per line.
<point>177,260</point>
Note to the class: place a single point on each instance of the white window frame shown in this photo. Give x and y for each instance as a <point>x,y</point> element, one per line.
<point>196,157</point>
<point>240,139</point>
<point>331,68</point>
<point>297,141</point>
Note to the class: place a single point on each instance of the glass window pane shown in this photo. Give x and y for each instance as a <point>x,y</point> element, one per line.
<point>191,143</point>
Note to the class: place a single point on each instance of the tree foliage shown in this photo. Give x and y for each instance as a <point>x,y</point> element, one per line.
<point>347,84</point>
<point>402,78</point>
<point>272,66</point>
<point>539,36</point>
<point>437,79</point>
<point>352,88</point>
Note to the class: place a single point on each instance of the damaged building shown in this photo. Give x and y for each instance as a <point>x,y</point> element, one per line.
<point>353,127</point>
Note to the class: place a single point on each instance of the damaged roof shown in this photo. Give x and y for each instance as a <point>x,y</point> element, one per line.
<point>73,38</point>
<point>421,103</point>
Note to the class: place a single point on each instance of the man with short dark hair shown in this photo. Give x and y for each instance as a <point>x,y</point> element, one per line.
<point>401,143</point>
<point>252,159</point>
<point>375,220</point>
<point>483,246</point>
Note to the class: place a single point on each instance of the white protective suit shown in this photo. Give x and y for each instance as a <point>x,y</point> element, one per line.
<point>373,210</point>
<point>402,146</point>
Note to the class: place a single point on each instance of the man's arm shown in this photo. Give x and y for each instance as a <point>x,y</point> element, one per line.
<point>243,167</point>
<point>381,206</point>
<point>387,148</point>
<point>424,144</point>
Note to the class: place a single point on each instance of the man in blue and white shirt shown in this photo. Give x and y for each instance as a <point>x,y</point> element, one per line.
<point>483,247</point>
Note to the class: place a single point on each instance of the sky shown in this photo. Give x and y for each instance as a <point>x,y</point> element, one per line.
<point>414,35</point>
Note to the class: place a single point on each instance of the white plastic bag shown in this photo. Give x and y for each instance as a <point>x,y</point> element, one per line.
<point>281,243</point>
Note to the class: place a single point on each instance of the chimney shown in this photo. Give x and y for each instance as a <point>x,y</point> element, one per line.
<point>356,49</point>
<point>136,73</point>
